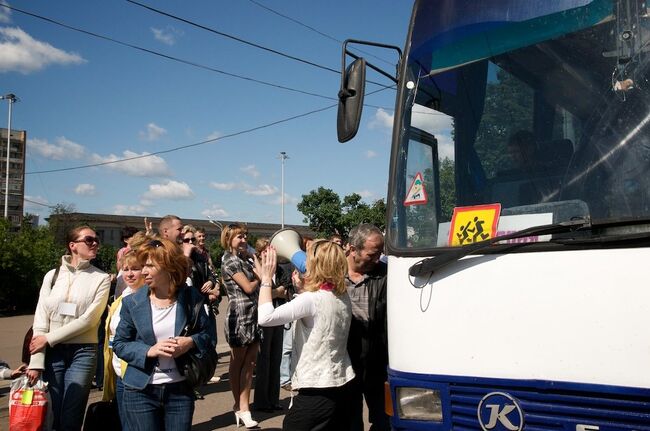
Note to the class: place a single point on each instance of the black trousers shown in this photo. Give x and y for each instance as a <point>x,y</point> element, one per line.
<point>319,409</point>
<point>372,389</point>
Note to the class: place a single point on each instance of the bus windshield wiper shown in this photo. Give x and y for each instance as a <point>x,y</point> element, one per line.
<point>430,265</point>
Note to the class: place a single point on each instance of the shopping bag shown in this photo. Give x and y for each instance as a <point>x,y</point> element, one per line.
<point>28,405</point>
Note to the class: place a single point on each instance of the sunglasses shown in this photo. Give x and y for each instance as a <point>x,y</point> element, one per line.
<point>188,240</point>
<point>89,240</point>
<point>155,243</point>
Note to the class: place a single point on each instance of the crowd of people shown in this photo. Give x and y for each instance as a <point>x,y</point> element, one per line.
<point>320,334</point>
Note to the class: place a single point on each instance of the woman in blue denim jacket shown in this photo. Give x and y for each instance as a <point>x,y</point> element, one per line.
<point>148,339</point>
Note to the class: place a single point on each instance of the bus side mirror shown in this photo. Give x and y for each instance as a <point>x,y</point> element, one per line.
<point>353,85</point>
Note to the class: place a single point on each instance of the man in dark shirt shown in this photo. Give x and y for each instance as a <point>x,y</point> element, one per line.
<point>367,342</point>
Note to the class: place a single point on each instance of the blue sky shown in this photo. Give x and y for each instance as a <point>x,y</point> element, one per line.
<point>84,100</point>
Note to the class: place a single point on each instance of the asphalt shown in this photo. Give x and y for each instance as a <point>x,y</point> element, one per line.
<point>213,412</point>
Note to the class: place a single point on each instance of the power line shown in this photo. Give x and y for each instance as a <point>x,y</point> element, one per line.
<point>196,144</point>
<point>238,39</point>
<point>28,200</point>
<point>327,36</point>
<point>182,147</point>
<point>159,54</point>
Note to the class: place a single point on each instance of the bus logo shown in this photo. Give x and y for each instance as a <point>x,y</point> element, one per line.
<point>499,411</point>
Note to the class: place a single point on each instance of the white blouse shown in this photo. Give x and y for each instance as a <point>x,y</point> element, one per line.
<point>301,307</point>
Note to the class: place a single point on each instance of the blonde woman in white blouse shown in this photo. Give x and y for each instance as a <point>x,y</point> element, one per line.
<point>64,345</point>
<point>321,367</point>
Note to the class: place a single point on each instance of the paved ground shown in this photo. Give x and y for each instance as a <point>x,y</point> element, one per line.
<point>214,412</point>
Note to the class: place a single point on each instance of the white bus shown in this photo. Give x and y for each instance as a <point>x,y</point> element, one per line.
<point>518,224</point>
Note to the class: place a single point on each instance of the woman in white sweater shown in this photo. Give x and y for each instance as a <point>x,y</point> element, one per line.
<point>64,346</point>
<point>320,363</point>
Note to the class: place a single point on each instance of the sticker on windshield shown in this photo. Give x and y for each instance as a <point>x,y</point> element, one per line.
<point>474,224</point>
<point>416,195</point>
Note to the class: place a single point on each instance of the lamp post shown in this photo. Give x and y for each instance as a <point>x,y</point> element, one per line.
<point>283,157</point>
<point>11,98</point>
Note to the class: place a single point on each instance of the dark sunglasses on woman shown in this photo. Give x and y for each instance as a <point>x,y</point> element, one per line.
<point>89,240</point>
<point>188,240</point>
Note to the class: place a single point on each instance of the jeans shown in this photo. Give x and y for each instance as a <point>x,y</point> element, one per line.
<point>287,346</point>
<point>119,399</point>
<point>69,370</point>
<point>168,406</point>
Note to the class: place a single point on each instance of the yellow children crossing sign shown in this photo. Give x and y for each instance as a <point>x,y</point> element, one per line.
<point>474,224</point>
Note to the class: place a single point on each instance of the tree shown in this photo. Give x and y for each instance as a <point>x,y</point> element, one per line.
<point>447,189</point>
<point>25,257</point>
<point>322,211</point>
<point>508,108</point>
<point>326,214</point>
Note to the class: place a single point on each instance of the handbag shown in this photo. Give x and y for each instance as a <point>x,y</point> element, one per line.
<point>28,406</point>
<point>102,415</point>
<point>197,368</point>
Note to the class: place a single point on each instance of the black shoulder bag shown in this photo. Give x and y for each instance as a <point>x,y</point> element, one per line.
<point>197,368</point>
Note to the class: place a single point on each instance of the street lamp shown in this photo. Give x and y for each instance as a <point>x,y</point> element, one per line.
<point>216,223</point>
<point>12,99</point>
<point>283,157</point>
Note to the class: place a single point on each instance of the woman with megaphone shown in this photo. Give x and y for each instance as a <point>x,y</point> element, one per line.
<point>321,367</point>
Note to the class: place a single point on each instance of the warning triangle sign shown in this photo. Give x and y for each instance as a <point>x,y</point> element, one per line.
<point>416,195</point>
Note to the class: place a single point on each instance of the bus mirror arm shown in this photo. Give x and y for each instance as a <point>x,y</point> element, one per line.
<point>431,265</point>
<point>351,94</point>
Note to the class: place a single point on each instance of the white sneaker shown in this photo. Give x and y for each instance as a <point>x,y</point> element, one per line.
<point>215,379</point>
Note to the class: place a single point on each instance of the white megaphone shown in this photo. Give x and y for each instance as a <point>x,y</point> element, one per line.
<point>287,244</point>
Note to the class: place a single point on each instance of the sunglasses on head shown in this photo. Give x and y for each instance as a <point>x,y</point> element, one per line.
<point>188,240</point>
<point>155,243</point>
<point>89,240</point>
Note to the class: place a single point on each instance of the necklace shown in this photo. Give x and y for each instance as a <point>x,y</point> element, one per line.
<point>164,307</point>
<point>161,307</point>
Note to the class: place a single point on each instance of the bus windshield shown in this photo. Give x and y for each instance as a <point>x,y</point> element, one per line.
<point>541,107</point>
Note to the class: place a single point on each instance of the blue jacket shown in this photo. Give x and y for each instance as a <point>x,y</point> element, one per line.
<point>134,335</point>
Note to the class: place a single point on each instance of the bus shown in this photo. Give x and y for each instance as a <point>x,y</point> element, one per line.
<point>518,219</point>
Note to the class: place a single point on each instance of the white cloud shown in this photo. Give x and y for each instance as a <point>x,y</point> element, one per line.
<point>366,194</point>
<point>223,186</point>
<point>19,52</point>
<point>261,190</point>
<point>370,154</point>
<point>250,170</point>
<point>150,166</point>
<point>166,35</point>
<point>5,14</point>
<point>213,135</point>
<point>439,125</point>
<point>62,149</point>
<point>85,189</point>
<point>120,209</point>
<point>381,120</point>
<point>33,207</point>
<point>288,200</point>
<point>170,190</point>
<point>215,212</point>
<point>152,133</point>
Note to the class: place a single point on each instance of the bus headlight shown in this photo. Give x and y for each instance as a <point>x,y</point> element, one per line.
<point>419,404</point>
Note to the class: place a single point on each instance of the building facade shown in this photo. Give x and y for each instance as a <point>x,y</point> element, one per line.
<point>16,174</point>
<point>109,227</point>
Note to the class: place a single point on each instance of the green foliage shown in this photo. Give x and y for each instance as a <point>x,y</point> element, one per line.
<point>322,211</point>
<point>326,214</point>
<point>508,109</point>
<point>447,189</point>
<point>26,255</point>
<point>216,252</point>
<point>106,259</point>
